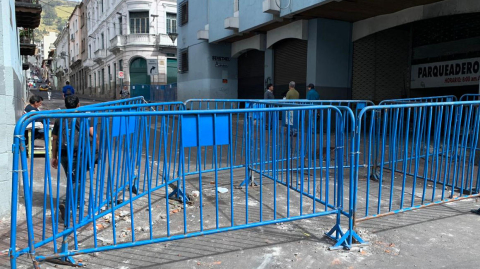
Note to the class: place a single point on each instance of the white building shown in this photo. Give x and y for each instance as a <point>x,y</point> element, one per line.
<point>61,60</point>
<point>47,41</point>
<point>122,36</point>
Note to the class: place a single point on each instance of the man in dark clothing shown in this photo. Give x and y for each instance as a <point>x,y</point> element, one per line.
<point>71,102</point>
<point>35,102</point>
<point>312,94</point>
<point>68,90</point>
<point>269,92</point>
<point>269,95</point>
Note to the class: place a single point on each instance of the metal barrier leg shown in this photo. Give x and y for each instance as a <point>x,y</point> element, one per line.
<point>67,259</point>
<point>347,239</point>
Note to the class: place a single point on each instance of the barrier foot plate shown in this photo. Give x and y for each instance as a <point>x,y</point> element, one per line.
<point>177,194</point>
<point>65,261</point>
<point>342,243</point>
<point>251,182</point>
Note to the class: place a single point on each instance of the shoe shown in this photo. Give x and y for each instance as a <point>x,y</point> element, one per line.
<point>134,189</point>
<point>61,208</point>
<point>476,211</point>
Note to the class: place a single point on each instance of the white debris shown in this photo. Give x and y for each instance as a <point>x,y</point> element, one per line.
<point>222,190</point>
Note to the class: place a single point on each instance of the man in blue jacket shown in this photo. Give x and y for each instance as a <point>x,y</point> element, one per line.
<point>312,94</point>
<point>68,90</point>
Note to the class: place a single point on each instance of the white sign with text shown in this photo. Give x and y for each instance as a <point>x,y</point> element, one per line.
<point>446,74</point>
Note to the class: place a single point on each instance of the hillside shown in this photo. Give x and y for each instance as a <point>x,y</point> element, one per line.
<point>54,16</point>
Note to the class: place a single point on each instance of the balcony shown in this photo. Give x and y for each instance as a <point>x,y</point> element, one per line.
<point>100,54</point>
<point>28,13</point>
<point>88,63</point>
<point>140,40</point>
<point>203,34</point>
<point>117,44</point>
<point>27,47</point>
<point>165,41</point>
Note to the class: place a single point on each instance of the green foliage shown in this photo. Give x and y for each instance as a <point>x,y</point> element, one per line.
<point>55,15</point>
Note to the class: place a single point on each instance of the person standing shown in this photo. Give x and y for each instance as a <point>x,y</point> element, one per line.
<point>268,95</point>
<point>312,94</point>
<point>68,90</point>
<point>292,92</point>
<point>71,102</point>
<point>269,92</point>
<point>49,91</point>
<point>124,93</point>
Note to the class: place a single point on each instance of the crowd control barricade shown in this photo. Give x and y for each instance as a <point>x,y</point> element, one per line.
<point>122,166</point>
<point>419,155</point>
<point>431,99</point>
<point>470,97</point>
<point>163,93</point>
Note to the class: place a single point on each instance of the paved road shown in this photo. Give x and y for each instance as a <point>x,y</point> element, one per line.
<point>57,100</point>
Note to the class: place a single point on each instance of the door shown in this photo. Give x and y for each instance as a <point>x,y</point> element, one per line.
<point>290,64</point>
<point>251,73</point>
<point>139,79</point>
<point>172,68</point>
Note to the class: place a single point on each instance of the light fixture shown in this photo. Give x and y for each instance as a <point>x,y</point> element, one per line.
<point>173,37</point>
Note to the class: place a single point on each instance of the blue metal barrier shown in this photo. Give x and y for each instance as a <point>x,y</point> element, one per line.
<point>163,93</point>
<point>431,99</point>
<point>142,90</point>
<point>419,155</point>
<point>127,158</point>
<point>470,97</point>
<point>354,105</point>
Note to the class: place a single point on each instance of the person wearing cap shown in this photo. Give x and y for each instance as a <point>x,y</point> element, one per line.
<point>68,90</point>
<point>269,92</point>
<point>312,94</point>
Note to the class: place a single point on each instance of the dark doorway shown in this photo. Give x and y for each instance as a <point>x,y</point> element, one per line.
<point>290,60</point>
<point>251,73</point>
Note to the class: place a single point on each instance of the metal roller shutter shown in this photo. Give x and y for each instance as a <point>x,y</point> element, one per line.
<point>251,74</point>
<point>290,59</point>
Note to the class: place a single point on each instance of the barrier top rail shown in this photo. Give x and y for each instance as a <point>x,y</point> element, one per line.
<point>224,102</point>
<point>431,99</point>
<point>470,97</point>
<point>95,108</point>
<point>413,105</point>
<point>115,102</point>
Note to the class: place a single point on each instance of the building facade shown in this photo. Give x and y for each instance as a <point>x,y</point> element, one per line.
<point>75,47</point>
<point>347,49</point>
<point>123,36</point>
<point>61,62</point>
<point>17,21</point>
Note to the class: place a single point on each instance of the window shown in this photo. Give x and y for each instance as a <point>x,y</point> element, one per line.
<point>183,12</point>
<point>139,23</point>
<point>89,51</point>
<point>109,77</point>
<point>103,80</point>
<point>103,41</point>
<point>90,80</point>
<point>101,3</point>
<point>83,45</point>
<point>171,23</point>
<point>235,5</point>
<point>95,79</point>
<point>184,60</point>
<point>120,65</point>
<point>115,76</point>
<point>120,25</point>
